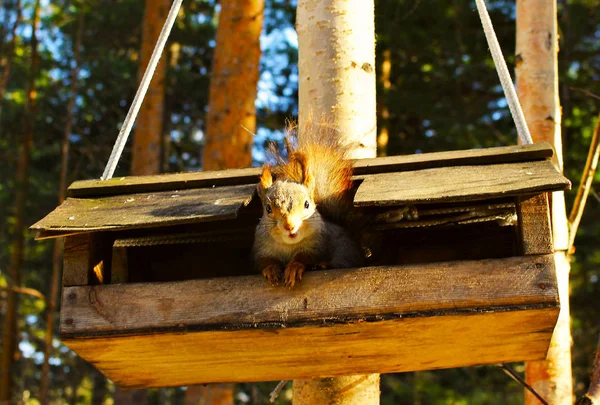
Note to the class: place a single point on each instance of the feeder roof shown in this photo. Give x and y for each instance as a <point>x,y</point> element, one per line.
<point>189,198</point>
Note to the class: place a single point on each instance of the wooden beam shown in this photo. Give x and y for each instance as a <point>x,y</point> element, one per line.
<point>398,345</point>
<point>335,296</point>
<point>181,181</point>
<point>77,261</point>
<point>534,225</point>
<point>461,183</point>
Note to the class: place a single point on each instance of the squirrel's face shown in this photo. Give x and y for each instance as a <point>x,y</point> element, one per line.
<point>289,206</point>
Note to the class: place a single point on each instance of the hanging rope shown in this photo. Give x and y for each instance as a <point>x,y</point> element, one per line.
<point>503,74</point>
<point>115,155</point>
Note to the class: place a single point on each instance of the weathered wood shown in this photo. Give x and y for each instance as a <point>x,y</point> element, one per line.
<point>336,296</point>
<point>181,181</point>
<point>120,270</point>
<point>146,209</point>
<point>534,225</point>
<point>460,183</point>
<point>399,345</point>
<point>76,261</point>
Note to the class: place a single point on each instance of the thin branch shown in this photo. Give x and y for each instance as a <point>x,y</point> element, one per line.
<point>585,185</point>
<point>595,194</point>
<point>513,374</point>
<point>592,396</point>
<point>586,92</point>
<point>275,393</point>
<point>24,290</point>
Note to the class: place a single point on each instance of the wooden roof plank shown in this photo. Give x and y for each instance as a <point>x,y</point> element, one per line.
<point>459,183</point>
<point>179,181</point>
<point>145,210</point>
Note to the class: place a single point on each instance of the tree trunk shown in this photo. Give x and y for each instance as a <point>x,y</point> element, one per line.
<point>9,326</point>
<point>537,82</point>
<point>99,393</point>
<point>231,119</point>
<point>59,242</point>
<point>130,397</point>
<point>383,136</point>
<point>148,130</point>
<point>231,113</point>
<point>336,47</point>
<point>147,140</point>
<point>353,390</point>
<point>214,394</point>
<point>7,60</point>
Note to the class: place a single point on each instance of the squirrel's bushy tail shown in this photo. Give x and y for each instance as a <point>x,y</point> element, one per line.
<point>322,148</point>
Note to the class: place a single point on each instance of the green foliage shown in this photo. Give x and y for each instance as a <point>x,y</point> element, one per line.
<point>444,95</point>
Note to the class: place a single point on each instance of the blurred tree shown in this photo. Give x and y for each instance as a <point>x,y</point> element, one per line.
<point>10,330</point>
<point>231,116</point>
<point>52,295</point>
<point>146,157</point>
<point>231,119</point>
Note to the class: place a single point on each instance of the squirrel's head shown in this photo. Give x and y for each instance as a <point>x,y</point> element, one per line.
<point>288,205</point>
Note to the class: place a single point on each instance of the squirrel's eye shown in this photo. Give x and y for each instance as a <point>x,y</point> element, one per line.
<point>306,204</point>
<point>268,208</point>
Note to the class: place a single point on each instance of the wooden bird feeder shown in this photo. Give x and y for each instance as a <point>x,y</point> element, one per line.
<point>159,290</point>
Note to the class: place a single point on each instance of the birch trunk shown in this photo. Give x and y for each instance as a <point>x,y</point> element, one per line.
<point>231,113</point>
<point>9,324</point>
<point>149,126</point>
<point>537,83</point>
<point>336,46</point>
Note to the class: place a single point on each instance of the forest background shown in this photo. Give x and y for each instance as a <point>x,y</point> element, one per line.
<point>441,93</point>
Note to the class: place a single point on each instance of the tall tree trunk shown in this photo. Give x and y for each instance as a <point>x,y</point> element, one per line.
<point>58,243</point>
<point>7,60</point>
<point>537,82</point>
<point>336,47</point>
<point>9,327</point>
<point>231,112</point>
<point>231,119</point>
<point>149,127</point>
<point>383,136</point>
<point>214,394</point>
<point>148,130</point>
<point>336,63</point>
<point>99,393</point>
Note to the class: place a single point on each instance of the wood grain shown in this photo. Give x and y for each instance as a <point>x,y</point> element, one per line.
<point>399,345</point>
<point>181,181</point>
<point>534,225</point>
<point>76,267</point>
<point>336,296</point>
<point>460,183</point>
<point>147,209</point>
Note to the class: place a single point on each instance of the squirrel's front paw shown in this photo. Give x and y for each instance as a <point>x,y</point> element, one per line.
<point>293,273</point>
<point>272,273</point>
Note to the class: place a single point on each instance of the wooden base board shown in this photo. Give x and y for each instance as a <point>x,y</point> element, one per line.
<point>337,322</point>
<point>399,345</point>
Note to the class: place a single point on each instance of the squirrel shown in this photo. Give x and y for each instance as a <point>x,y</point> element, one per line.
<point>307,204</point>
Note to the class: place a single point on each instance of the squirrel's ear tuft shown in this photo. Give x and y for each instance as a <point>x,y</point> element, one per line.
<point>266,181</point>
<point>307,179</point>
